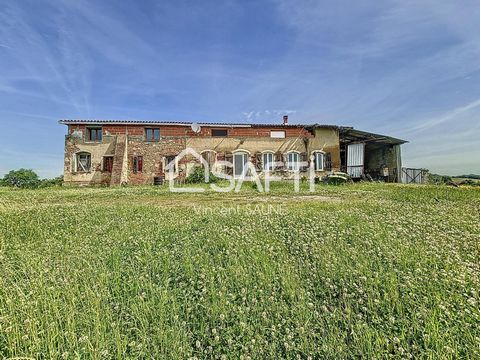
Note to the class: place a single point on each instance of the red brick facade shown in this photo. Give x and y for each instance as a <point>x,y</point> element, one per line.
<point>177,131</point>
<point>125,145</point>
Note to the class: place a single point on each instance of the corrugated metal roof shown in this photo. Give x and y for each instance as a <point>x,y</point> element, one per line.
<point>348,133</point>
<point>351,134</point>
<point>182,123</point>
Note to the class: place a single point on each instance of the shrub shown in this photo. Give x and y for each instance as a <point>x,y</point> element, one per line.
<point>28,179</point>
<point>22,178</point>
<point>254,185</point>
<point>336,178</point>
<point>469,182</point>
<point>58,181</point>
<point>439,179</point>
<point>197,176</point>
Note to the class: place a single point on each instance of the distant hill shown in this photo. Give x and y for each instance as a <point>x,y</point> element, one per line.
<point>470,176</point>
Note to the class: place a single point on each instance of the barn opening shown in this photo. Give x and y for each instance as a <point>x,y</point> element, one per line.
<point>365,155</point>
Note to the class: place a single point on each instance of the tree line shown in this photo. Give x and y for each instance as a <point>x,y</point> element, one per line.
<point>28,179</point>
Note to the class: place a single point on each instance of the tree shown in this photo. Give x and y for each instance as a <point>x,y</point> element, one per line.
<point>22,178</point>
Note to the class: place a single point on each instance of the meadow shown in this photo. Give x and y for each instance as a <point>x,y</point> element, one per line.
<point>366,270</point>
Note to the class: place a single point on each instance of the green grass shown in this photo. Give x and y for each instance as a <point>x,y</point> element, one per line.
<point>375,271</point>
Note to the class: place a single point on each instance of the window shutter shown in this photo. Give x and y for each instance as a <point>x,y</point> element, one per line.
<point>229,158</point>
<point>285,161</point>
<point>277,157</point>
<point>258,161</point>
<point>134,163</point>
<point>327,158</point>
<point>303,159</point>
<point>140,163</point>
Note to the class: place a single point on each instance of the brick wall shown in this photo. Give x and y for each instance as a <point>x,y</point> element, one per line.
<point>154,154</point>
<point>181,131</point>
<point>175,139</point>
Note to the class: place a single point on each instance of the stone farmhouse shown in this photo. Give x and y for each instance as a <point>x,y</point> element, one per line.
<point>111,152</point>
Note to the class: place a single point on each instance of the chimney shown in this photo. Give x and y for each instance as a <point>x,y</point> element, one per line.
<point>285,119</point>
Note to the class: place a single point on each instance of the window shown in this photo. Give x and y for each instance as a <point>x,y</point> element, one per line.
<point>293,162</point>
<point>170,160</point>
<point>83,162</point>
<point>240,160</point>
<point>152,134</point>
<point>219,132</point>
<point>108,163</point>
<point>94,134</point>
<point>137,164</point>
<point>280,134</point>
<point>318,160</point>
<point>267,161</point>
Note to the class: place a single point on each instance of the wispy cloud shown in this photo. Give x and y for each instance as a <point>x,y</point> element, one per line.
<point>448,117</point>
<point>275,116</point>
<point>47,66</point>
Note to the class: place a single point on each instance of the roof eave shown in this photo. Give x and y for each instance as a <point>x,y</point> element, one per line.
<point>350,131</point>
<point>173,123</point>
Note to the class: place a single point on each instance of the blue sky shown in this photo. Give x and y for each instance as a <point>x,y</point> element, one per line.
<point>409,69</point>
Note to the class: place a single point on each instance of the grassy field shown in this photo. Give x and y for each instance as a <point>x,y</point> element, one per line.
<point>377,271</point>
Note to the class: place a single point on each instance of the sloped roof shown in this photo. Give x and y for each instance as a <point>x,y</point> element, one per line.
<point>348,134</point>
<point>354,135</point>
<point>182,123</point>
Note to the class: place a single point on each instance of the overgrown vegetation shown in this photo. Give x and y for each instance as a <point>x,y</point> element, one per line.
<point>438,179</point>
<point>22,178</point>
<point>28,179</point>
<point>58,181</point>
<point>197,176</point>
<point>357,271</point>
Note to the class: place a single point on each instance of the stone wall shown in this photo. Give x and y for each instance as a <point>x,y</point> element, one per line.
<point>96,175</point>
<point>154,157</point>
<point>253,141</point>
